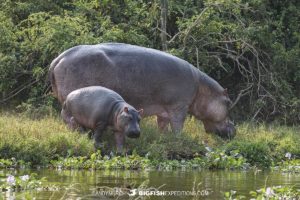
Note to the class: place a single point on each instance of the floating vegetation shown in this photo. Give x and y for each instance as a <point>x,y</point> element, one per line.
<point>274,193</point>
<point>288,166</point>
<point>19,183</point>
<point>212,160</point>
<point>13,163</point>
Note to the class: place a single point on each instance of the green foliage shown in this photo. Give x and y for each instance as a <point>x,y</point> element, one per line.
<point>96,161</point>
<point>272,193</point>
<point>13,163</point>
<point>276,192</point>
<point>156,145</point>
<point>220,160</point>
<point>163,146</point>
<point>38,142</point>
<point>288,166</point>
<point>263,145</point>
<point>245,46</point>
<point>213,160</point>
<point>256,153</point>
<point>250,47</point>
<point>232,195</point>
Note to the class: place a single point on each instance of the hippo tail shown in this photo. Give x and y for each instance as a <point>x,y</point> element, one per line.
<point>51,77</point>
<point>64,106</point>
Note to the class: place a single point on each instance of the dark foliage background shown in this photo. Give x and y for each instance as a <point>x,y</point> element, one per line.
<point>251,47</point>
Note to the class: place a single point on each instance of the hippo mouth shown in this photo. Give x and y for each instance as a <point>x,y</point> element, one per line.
<point>225,130</point>
<point>133,134</point>
<point>228,132</point>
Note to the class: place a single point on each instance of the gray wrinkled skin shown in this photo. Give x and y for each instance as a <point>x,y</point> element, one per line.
<point>161,84</point>
<point>97,108</point>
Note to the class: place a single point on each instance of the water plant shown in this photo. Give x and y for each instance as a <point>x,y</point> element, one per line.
<point>19,183</point>
<point>212,160</point>
<point>271,193</point>
<point>221,160</point>
<point>13,163</point>
<point>288,166</point>
<point>96,161</point>
<point>276,192</point>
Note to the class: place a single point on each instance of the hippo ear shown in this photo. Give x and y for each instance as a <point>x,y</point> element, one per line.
<point>125,109</point>
<point>141,111</point>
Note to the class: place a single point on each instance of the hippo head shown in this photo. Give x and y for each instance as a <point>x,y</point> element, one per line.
<point>212,108</point>
<point>128,121</point>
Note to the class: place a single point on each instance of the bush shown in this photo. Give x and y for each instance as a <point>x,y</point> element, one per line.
<point>256,153</point>
<point>250,47</point>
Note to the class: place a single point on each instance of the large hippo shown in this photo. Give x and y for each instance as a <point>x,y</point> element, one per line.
<point>160,83</point>
<point>96,108</point>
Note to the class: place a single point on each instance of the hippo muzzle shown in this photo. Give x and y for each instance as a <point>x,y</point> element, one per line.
<point>227,132</point>
<point>133,133</point>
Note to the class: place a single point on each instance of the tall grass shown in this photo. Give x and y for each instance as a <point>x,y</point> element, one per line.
<point>39,141</point>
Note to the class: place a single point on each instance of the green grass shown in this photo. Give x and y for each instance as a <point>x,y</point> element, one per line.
<point>39,141</point>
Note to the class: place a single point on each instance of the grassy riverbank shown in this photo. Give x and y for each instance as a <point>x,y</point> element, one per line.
<point>48,139</point>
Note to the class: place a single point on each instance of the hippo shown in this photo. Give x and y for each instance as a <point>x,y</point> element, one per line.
<point>96,108</point>
<point>162,84</point>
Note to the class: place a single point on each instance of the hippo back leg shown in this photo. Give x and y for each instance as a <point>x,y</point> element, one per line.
<point>71,121</point>
<point>98,132</point>
<point>163,122</point>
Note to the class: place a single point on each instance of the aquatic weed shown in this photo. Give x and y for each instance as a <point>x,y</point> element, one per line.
<point>19,183</point>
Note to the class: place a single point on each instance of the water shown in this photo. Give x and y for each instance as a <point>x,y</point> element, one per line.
<point>85,184</point>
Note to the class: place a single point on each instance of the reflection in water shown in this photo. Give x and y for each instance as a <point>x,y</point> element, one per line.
<point>90,184</point>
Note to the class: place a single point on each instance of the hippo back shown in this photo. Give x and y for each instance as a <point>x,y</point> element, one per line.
<point>142,76</point>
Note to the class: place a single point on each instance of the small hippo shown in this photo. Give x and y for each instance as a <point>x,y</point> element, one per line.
<point>96,108</point>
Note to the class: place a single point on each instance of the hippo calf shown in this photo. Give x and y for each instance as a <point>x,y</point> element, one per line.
<point>96,108</point>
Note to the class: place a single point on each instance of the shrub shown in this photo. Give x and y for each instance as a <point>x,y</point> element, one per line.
<point>256,153</point>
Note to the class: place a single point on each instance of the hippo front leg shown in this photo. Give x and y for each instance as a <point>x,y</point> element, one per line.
<point>177,120</point>
<point>98,135</point>
<point>120,139</point>
<point>177,126</point>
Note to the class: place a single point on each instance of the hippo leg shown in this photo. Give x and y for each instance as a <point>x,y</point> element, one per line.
<point>120,139</point>
<point>163,123</point>
<point>74,125</point>
<point>69,119</point>
<point>176,120</point>
<point>98,134</point>
<point>71,122</point>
